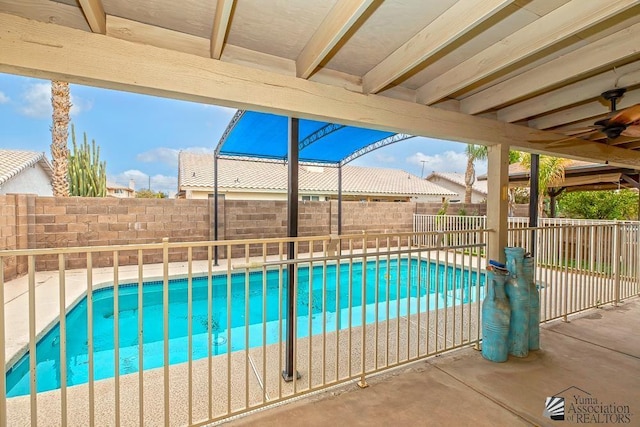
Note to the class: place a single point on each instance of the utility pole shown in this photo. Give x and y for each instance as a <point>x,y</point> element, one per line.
<point>422,173</point>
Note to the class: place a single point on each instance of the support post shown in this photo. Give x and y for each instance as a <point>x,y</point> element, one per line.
<point>339,200</point>
<point>534,189</point>
<point>292,231</point>
<point>498,200</point>
<point>215,207</point>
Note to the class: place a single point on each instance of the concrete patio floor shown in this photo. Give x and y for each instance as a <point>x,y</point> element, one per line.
<point>593,361</point>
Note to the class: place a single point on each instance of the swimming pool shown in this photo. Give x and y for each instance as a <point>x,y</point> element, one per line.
<point>402,296</point>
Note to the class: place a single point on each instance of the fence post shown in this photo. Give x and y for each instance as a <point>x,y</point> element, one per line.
<point>363,379</point>
<point>617,246</point>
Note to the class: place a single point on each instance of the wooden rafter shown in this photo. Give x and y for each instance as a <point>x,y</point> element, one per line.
<point>593,56</point>
<point>156,36</point>
<point>563,22</point>
<point>592,109</point>
<point>632,145</point>
<point>53,52</point>
<point>336,24</point>
<point>220,27</point>
<point>627,75</point>
<point>459,19</point>
<point>621,140</point>
<point>94,13</point>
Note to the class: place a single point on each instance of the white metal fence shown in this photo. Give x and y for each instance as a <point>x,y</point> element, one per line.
<point>188,343</point>
<point>441,223</point>
<point>205,342</point>
<point>580,264</point>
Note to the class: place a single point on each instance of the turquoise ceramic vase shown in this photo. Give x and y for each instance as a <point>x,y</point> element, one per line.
<point>517,290</point>
<point>495,319</point>
<point>534,304</point>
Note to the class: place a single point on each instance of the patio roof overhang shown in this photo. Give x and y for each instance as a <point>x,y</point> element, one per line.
<point>520,73</point>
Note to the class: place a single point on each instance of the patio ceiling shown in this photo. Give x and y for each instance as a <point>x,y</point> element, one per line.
<point>524,73</point>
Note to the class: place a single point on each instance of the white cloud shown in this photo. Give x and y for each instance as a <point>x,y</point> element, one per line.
<point>37,102</point>
<point>4,98</point>
<point>168,156</point>
<point>142,181</point>
<point>448,161</point>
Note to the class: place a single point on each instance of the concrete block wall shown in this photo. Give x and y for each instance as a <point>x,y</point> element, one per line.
<point>8,234</point>
<point>373,217</point>
<point>29,221</point>
<point>75,221</point>
<point>471,209</point>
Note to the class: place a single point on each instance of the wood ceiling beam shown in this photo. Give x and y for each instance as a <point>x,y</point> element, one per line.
<point>627,75</point>
<point>456,21</point>
<point>632,146</point>
<point>138,32</point>
<point>563,22</point>
<point>338,21</point>
<point>594,56</point>
<point>50,51</point>
<point>220,27</point>
<point>582,112</point>
<point>168,39</point>
<point>621,140</point>
<point>94,13</point>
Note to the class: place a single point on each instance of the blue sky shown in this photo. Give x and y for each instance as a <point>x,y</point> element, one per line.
<point>140,136</point>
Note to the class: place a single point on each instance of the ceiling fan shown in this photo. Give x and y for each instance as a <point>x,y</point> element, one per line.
<point>618,122</point>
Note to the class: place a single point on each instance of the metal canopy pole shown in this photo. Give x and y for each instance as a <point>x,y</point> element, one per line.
<point>533,199</point>
<point>292,230</point>
<point>215,207</point>
<point>339,200</point>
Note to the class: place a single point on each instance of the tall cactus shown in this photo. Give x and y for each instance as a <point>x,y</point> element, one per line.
<point>87,175</point>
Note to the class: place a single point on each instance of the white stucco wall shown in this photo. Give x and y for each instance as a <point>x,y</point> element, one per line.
<point>32,180</point>
<point>476,197</point>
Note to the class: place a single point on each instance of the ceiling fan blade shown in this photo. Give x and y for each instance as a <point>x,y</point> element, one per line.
<point>633,131</point>
<point>627,116</point>
<point>579,131</point>
<point>595,136</point>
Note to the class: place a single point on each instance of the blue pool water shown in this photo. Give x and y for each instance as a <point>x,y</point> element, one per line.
<point>401,299</point>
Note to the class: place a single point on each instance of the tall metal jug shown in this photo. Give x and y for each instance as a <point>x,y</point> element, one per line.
<point>517,290</point>
<point>495,318</point>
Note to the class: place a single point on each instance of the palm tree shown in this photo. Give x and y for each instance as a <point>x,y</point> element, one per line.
<point>474,152</point>
<point>551,174</point>
<point>61,103</point>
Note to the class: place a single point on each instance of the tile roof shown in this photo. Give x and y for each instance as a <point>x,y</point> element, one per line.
<point>458,178</point>
<point>12,162</point>
<point>115,186</point>
<point>195,170</point>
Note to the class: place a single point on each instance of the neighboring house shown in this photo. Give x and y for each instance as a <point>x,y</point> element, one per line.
<point>267,180</point>
<point>120,191</point>
<point>25,172</point>
<point>455,182</point>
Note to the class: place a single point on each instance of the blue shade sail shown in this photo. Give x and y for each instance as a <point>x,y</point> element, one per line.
<point>265,135</point>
